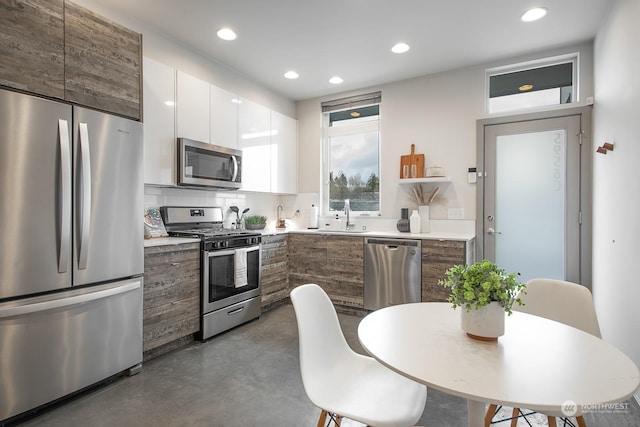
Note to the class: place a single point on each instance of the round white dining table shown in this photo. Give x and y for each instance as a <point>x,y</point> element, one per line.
<point>537,364</point>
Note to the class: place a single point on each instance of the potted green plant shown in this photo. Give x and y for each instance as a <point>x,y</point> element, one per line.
<point>485,293</point>
<point>255,222</point>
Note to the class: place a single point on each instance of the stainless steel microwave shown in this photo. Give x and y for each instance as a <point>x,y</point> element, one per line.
<point>207,165</point>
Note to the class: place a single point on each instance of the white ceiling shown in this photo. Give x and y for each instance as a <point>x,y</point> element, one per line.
<point>353,38</point>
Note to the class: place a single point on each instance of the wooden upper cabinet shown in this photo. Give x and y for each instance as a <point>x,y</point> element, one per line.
<point>102,63</point>
<point>32,46</point>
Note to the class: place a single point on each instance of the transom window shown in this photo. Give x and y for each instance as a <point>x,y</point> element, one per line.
<point>351,147</point>
<point>533,84</point>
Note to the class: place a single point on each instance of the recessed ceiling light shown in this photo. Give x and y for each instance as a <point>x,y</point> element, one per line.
<point>400,48</point>
<point>226,34</point>
<point>335,80</point>
<point>525,87</point>
<point>291,75</point>
<point>534,14</point>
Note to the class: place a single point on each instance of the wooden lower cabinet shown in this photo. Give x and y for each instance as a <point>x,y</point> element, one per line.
<point>171,304</point>
<point>335,263</point>
<point>274,279</point>
<point>437,257</point>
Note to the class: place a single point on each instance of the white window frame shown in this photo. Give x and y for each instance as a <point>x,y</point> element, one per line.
<point>329,131</point>
<point>573,58</point>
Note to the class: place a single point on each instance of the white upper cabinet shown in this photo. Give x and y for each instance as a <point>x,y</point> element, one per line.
<point>192,108</point>
<point>224,117</point>
<point>284,154</point>
<point>159,123</point>
<point>255,142</point>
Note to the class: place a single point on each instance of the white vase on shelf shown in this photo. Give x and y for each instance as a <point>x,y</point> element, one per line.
<point>425,221</point>
<point>414,222</point>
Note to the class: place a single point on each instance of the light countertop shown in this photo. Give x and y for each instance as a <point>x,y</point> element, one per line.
<point>163,241</point>
<point>388,234</point>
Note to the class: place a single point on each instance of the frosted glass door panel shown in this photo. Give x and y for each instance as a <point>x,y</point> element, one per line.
<point>530,192</point>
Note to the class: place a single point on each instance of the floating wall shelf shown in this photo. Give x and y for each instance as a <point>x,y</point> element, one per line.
<point>431,180</point>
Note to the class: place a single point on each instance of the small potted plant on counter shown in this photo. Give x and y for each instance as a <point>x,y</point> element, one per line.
<point>255,222</point>
<point>484,292</point>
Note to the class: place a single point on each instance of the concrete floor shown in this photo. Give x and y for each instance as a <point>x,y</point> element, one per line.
<point>246,377</point>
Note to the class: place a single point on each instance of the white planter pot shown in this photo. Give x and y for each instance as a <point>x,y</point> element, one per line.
<point>485,323</point>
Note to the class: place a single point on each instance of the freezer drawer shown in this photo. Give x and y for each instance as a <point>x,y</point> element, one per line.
<point>392,272</point>
<point>57,344</point>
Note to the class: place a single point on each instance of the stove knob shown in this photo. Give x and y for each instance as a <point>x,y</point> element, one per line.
<point>224,244</point>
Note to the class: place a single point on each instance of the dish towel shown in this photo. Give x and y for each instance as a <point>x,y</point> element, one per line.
<point>241,267</point>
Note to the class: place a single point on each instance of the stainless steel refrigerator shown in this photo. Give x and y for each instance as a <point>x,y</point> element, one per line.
<point>71,249</point>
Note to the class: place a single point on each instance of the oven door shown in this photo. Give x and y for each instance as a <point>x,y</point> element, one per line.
<point>207,165</point>
<point>224,281</point>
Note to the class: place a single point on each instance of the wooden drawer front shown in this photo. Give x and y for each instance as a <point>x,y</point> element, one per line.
<point>275,269</point>
<point>437,257</point>
<point>102,63</point>
<point>32,46</point>
<point>171,293</point>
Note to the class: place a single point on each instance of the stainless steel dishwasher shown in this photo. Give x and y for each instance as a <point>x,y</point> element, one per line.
<point>392,272</point>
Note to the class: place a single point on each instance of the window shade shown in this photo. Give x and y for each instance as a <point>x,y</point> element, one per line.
<point>352,102</point>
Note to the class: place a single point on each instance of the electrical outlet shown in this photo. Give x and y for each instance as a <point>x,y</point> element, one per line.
<point>455,213</point>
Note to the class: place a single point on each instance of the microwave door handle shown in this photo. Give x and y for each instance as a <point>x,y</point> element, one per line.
<point>65,196</point>
<point>235,168</point>
<point>85,196</point>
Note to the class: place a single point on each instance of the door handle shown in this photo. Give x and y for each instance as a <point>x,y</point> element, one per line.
<point>85,218</point>
<point>65,195</point>
<point>235,168</point>
<point>491,231</point>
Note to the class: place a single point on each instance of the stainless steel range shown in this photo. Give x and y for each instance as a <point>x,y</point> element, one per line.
<point>229,268</point>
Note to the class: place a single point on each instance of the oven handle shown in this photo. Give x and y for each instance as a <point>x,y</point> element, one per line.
<point>211,254</point>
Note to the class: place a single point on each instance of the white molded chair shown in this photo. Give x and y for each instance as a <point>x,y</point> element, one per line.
<point>564,302</point>
<point>343,383</point>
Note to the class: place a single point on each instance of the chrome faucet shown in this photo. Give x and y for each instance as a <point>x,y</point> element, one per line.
<point>347,209</point>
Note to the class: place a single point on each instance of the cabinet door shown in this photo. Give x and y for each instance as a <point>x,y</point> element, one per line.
<point>255,143</point>
<point>224,118</point>
<point>159,123</point>
<point>32,47</point>
<point>192,108</point>
<point>284,155</point>
<point>102,63</point>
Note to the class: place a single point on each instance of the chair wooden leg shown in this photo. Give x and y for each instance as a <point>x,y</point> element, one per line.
<point>491,411</point>
<point>552,421</point>
<point>322,419</point>
<point>514,417</point>
<point>581,422</point>
<point>338,420</point>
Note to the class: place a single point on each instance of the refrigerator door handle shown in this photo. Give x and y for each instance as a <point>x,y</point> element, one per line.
<point>37,307</point>
<point>65,196</point>
<point>85,197</point>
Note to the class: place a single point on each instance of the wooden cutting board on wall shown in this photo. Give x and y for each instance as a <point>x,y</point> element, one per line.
<point>413,159</point>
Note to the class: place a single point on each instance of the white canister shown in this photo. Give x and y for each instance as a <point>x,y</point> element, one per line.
<point>425,222</point>
<point>414,222</point>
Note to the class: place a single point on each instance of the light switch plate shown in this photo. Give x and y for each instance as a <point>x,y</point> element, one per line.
<point>455,213</point>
